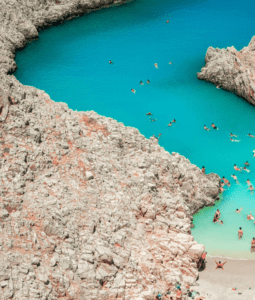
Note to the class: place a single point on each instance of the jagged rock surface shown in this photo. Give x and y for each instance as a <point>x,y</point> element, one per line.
<point>232,70</point>
<point>89,208</point>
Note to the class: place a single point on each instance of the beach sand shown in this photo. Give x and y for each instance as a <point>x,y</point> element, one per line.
<point>217,284</point>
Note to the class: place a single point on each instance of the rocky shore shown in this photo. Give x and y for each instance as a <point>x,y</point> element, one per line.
<point>89,208</point>
<point>231,70</point>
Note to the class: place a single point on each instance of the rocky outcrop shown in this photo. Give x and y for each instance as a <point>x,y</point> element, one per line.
<point>89,208</point>
<point>232,70</point>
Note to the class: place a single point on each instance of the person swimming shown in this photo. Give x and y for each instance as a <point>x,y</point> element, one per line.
<point>206,128</point>
<point>133,91</point>
<point>148,81</point>
<point>236,168</point>
<point>239,210</point>
<point>149,114</point>
<point>159,135</point>
<point>167,21</point>
<point>234,135</point>
<point>214,127</point>
<point>251,188</point>
<point>234,140</point>
<point>153,120</point>
<point>248,182</point>
<point>245,169</point>
<point>110,62</point>
<point>235,178</point>
<point>253,136</point>
<point>170,124</point>
<point>226,181</point>
<point>222,189</point>
<point>156,65</point>
<point>247,164</point>
<point>174,121</point>
<point>250,216</point>
<point>141,82</point>
<point>218,87</point>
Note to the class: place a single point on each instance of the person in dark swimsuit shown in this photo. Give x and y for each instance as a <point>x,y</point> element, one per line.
<point>220,265</point>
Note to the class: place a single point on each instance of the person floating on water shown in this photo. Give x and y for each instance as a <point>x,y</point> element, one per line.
<point>222,189</point>
<point>240,233</point>
<point>247,164</point>
<point>203,169</point>
<point>253,245</point>
<point>149,114</point>
<point>206,128</point>
<point>156,65</point>
<point>167,21</point>
<point>110,62</point>
<point>235,178</point>
<point>252,136</point>
<point>234,135</point>
<point>133,91</point>
<point>234,140</point>
<point>251,188</point>
<point>148,81</point>
<point>237,168</point>
<point>250,216</point>
<point>170,63</point>
<point>220,265</point>
<point>226,181</point>
<point>170,124</point>
<point>245,169</point>
<point>218,87</point>
<point>153,120</point>
<point>214,127</point>
<point>141,82</point>
<point>239,210</point>
<point>174,121</point>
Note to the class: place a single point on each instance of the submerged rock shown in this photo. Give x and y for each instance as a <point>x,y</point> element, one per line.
<point>231,70</point>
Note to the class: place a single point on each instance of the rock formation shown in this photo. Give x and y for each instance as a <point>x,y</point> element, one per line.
<point>232,70</point>
<point>89,208</point>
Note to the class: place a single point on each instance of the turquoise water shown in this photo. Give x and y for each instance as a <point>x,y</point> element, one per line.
<point>70,62</point>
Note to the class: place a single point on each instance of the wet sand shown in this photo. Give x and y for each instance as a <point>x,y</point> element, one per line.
<point>217,284</point>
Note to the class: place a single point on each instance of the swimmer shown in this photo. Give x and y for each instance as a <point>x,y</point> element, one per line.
<point>159,135</point>
<point>250,216</point>
<point>141,82</point>
<point>234,140</point>
<point>247,164</point>
<point>133,91</point>
<point>253,136</point>
<point>174,121</point>
<point>245,169</point>
<point>156,65</point>
<point>206,128</point>
<point>170,63</point>
<point>149,114</point>
<point>253,245</point>
<point>217,214</point>
<point>203,169</point>
<point>248,182</point>
<point>148,81</point>
<point>235,178</point>
<point>239,210</point>
<point>251,188</point>
<point>167,21</point>
<point>253,154</point>
<point>220,265</point>
<point>110,62</point>
<point>170,124</point>
<point>153,120</point>
<point>218,87</point>
<point>236,168</point>
<point>222,189</point>
<point>234,135</point>
<point>240,233</point>
<point>226,181</point>
<point>214,127</point>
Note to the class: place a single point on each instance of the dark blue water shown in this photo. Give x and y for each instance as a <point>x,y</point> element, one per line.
<point>70,62</point>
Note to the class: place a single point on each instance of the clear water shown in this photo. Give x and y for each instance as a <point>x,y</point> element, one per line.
<point>70,62</point>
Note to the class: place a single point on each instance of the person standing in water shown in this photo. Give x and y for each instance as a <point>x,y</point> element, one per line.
<point>226,181</point>
<point>220,265</point>
<point>240,233</point>
<point>149,114</point>
<point>248,182</point>
<point>141,82</point>
<point>253,245</point>
<point>170,124</point>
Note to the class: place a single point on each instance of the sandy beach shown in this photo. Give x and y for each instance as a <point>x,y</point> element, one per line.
<point>218,284</point>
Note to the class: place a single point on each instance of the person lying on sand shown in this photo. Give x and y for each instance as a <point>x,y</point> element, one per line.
<point>250,216</point>
<point>239,210</point>
<point>220,265</point>
<point>235,178</point>
<point>240,233</point>
<point>253,136</point>
<point>235,140</point>
<point>206,128</point>
<point>253,245</point>
<point>234,135</point>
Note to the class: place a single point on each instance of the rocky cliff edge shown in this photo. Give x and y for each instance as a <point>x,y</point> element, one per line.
<point>89,208</point>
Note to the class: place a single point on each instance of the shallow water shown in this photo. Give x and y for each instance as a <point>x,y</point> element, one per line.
<point>70,62</point>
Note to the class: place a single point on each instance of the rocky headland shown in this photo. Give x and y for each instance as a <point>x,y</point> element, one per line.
<point>89,208</point>
<point>232,70</point>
